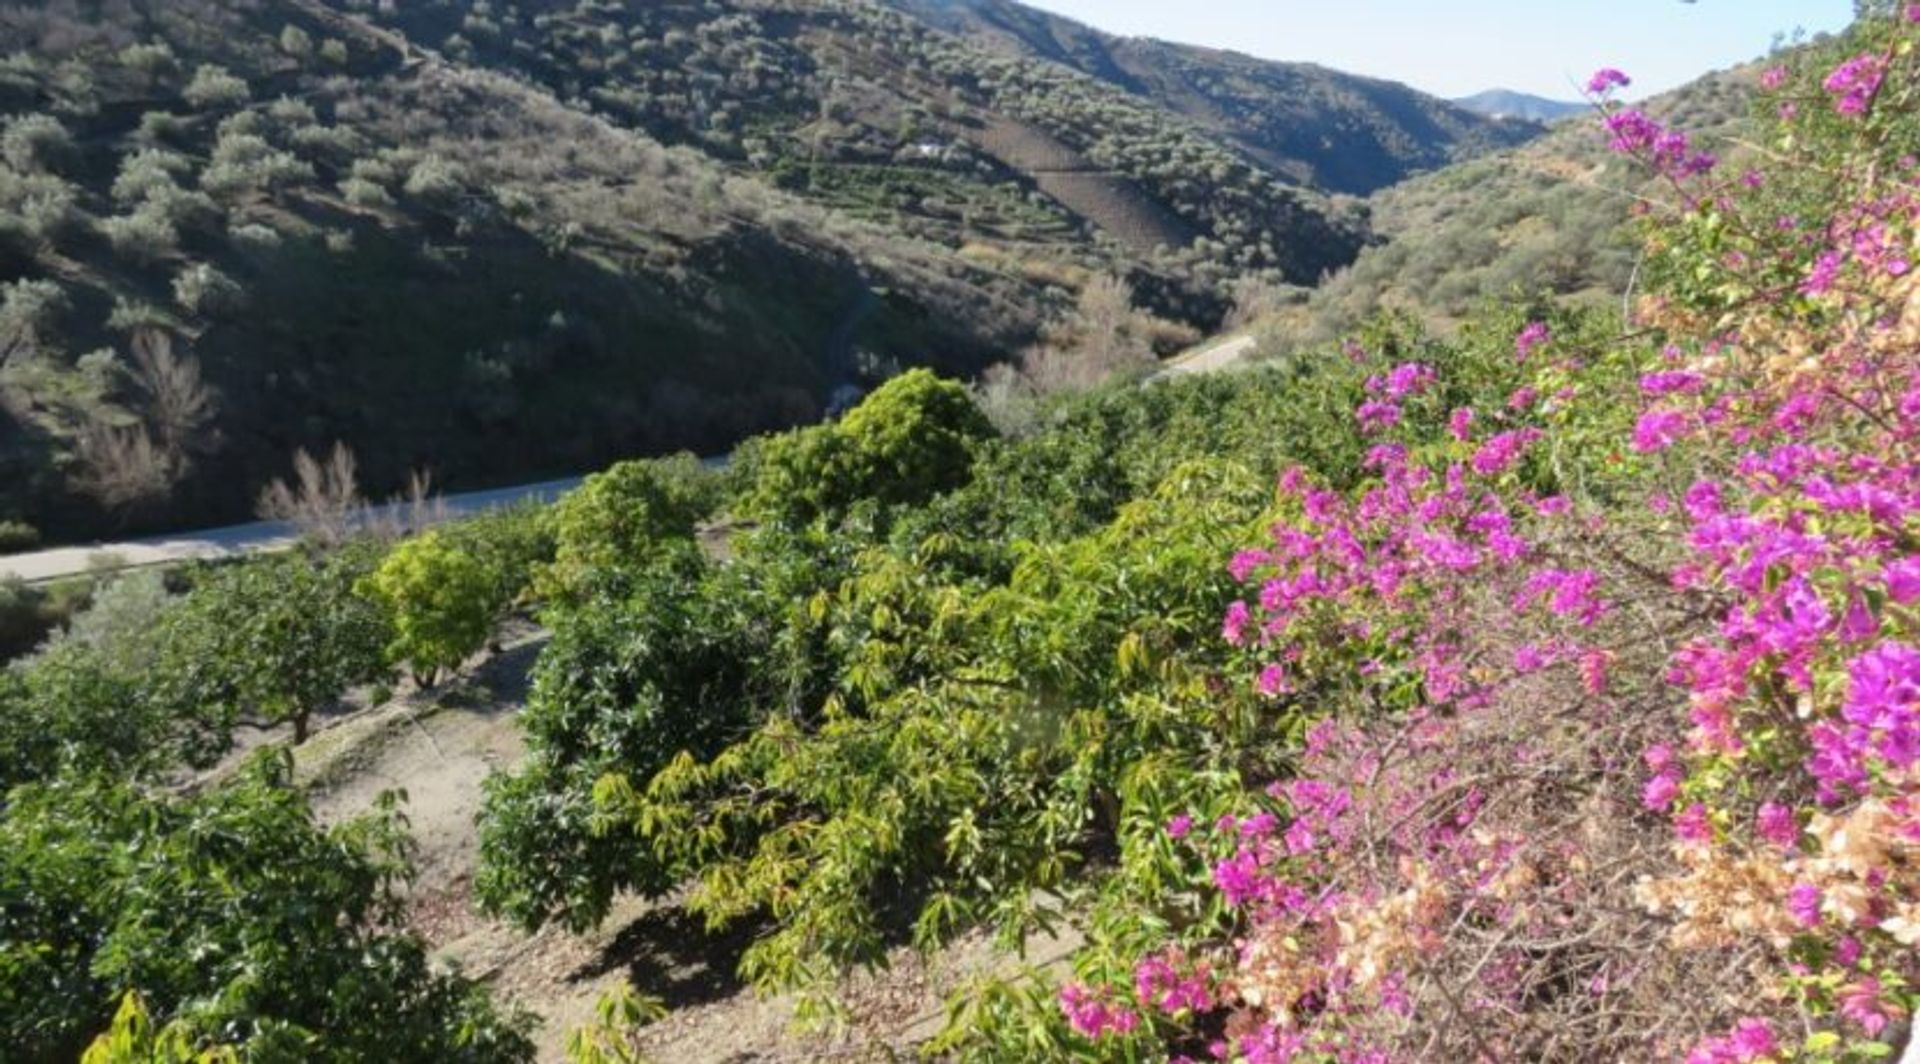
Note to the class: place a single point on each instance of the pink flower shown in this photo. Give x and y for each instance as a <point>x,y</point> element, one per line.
<point>1777,824</point>
<point>1605,80</point>
<point>1752,1039</point>
<point>1498,454</point>
<point>1659,793</point>
<point>1825,270</point>
<point>1692,825</point>
<point>1659,430</point>
<point>1803,901</point>
<point>1861,1004</point>
<point>1179,826</point>
<point>1854,83</point>
<point>1903,580</point>
<point>1773,78</point>
<point>1273,680</point>
<point>1093,1017</point>
<point>1233,628</point>
<point>1411,378</point>
<point>1460,425</point>
<point>1671,382</point>
<point>1376,416</point>
<point>1530,338</point>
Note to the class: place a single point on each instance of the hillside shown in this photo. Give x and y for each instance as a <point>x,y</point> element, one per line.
<point>1548,217</point>
<point>507,242</point>
<point>1336,131</point>
<point>1506,103</point>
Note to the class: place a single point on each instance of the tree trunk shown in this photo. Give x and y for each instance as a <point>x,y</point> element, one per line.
<point>300,722</point>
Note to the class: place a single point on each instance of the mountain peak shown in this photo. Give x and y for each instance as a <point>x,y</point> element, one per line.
<point>1509,104</point>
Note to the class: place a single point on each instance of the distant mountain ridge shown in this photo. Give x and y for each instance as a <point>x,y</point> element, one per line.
<point>1506,103</point>
<point>1338,131</point>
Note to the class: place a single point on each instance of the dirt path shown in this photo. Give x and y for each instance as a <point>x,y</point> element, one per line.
<point>1211,358</point>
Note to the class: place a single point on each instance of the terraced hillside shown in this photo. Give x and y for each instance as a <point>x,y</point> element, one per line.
<point>1313,125</point>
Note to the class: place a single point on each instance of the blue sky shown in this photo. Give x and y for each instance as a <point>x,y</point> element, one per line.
<point>1456,47</point>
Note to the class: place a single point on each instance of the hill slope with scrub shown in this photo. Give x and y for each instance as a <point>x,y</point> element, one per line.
<point>505,241</point>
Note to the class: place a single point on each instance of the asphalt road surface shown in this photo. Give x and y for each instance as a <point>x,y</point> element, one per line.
<point>55,563</point>
<point>58,562</point>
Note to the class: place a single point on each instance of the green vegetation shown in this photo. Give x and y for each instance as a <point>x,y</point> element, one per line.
<point>954,687</point>
<point>443,603</point>
<point>910,440</point>
<point>271,641</point>
<point>617,518</point>
<point>957,661</point>
<point>237,920</point>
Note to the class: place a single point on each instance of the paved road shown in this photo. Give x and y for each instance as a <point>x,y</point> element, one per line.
<point>42,566</point>
<point>1211,358</point>
<point>53,564</point>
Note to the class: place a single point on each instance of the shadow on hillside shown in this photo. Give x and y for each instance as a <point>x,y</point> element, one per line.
<point>670,954</point>
<point>500,683</point>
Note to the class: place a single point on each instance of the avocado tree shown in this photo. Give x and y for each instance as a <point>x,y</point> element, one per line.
<point>270,641</point>
<point>238,922</point>
<point>913,438</point>
<point>619,519</point>
<point>442,602</point>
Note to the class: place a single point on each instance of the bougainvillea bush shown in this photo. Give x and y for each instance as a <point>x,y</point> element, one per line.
<point>1617,684</point>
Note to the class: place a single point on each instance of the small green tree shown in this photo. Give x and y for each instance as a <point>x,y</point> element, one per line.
<point>915,437</point>
<point>442,600</point>
<point>215,87</point>
<point>619,519</point>
<point>270,641</point>
<point>296,42</point>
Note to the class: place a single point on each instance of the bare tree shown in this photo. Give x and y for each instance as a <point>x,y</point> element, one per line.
<point>122,468</point>
<point>126,466</point>
<point>1106,337</point>
<point>323,498</point>
<point>418,508</point>
<point>1255,299</point>
<point>179,402</point>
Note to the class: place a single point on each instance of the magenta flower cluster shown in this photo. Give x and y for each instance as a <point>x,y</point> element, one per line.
<point>1854,83</point>
<point>1784,758</point>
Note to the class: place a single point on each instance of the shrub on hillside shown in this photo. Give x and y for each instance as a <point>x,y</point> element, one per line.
<point>35,143</point>
<point>144,237</point>
<point>202,289</point>
<point>17,536</point>
<point>214,87</point>
<point>240,922</point>
<point>914,437</point>
<point>148,173</point>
